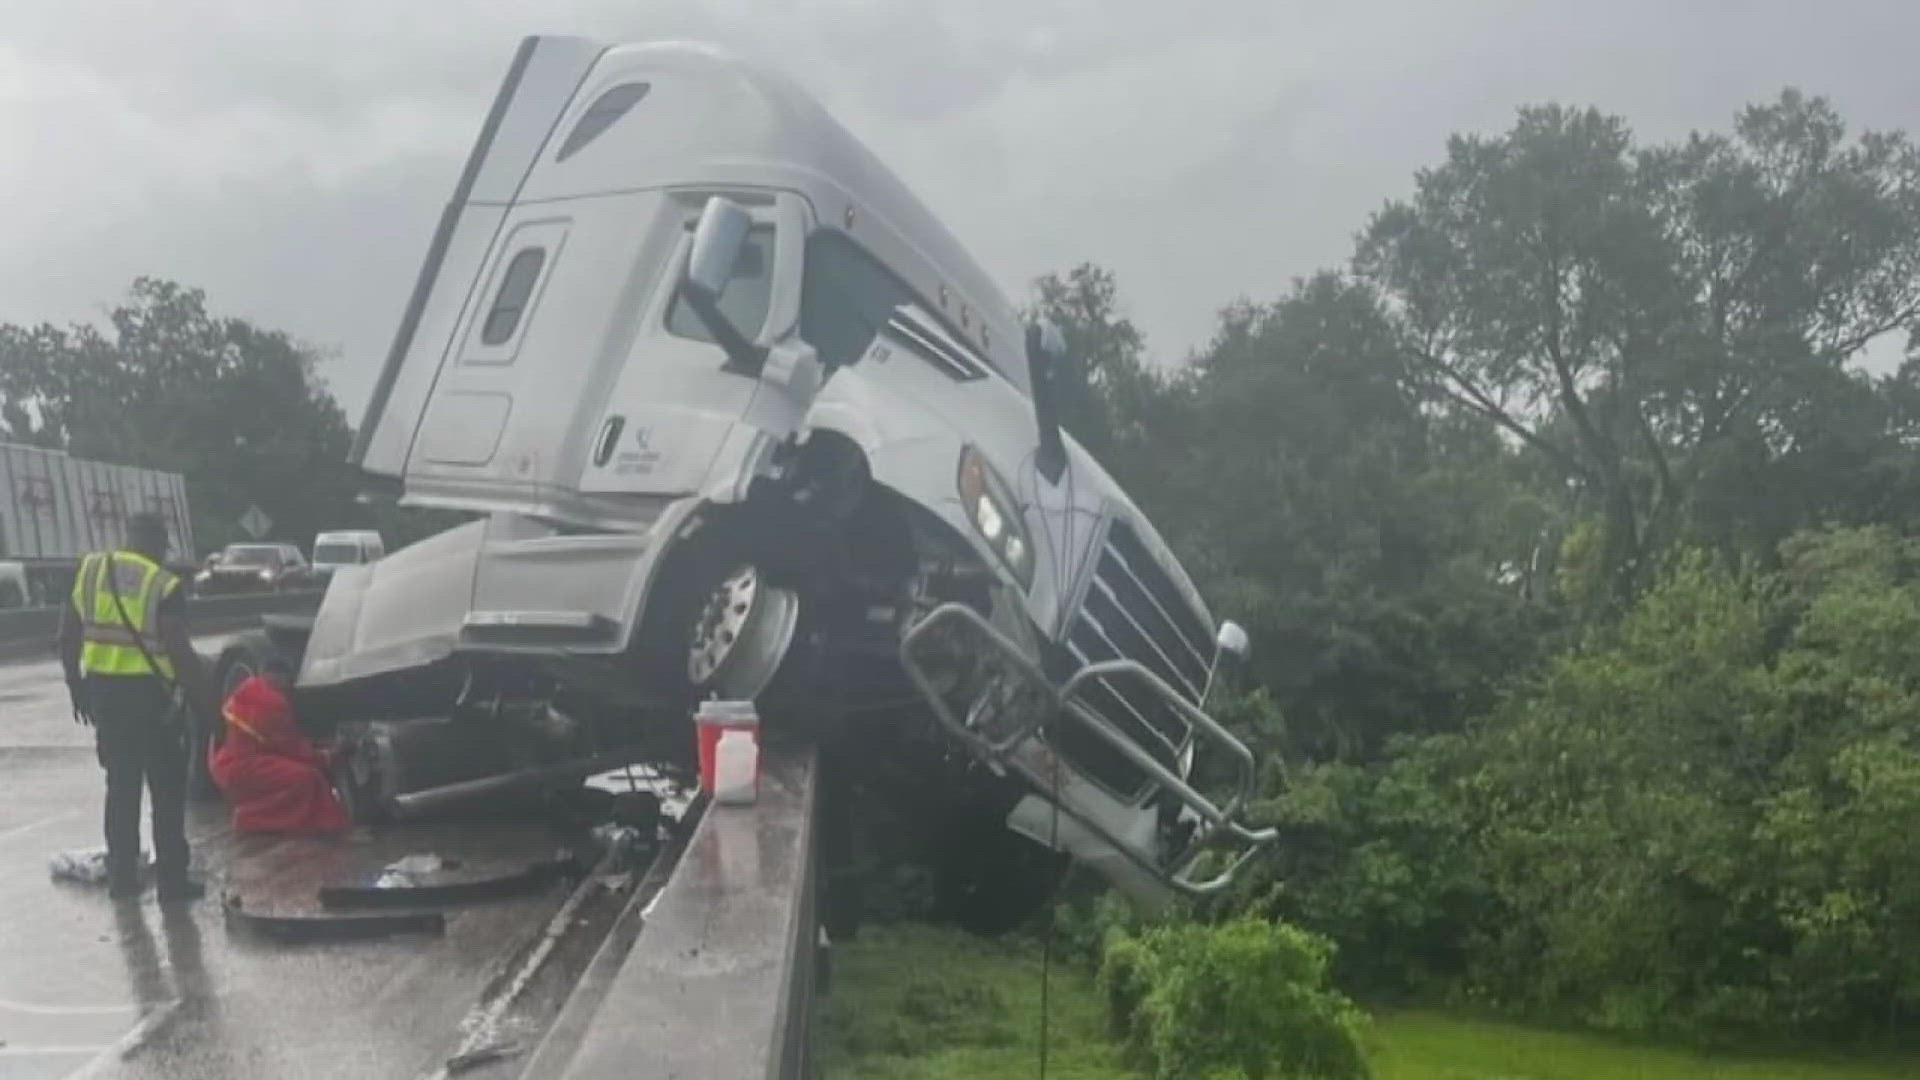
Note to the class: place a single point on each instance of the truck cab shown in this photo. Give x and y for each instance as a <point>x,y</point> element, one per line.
<point>739,417</point>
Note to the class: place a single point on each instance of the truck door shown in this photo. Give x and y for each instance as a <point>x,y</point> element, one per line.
<point>674,405</point>
<point>484,381</point>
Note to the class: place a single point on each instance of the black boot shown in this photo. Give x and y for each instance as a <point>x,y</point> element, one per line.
<point>124,886</point>
<point>181,889</point>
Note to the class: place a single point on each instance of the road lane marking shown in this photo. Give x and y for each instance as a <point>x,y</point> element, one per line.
<point>120,1049</point>
<point>32,825</point>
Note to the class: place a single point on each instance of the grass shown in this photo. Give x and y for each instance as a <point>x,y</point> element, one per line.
<point>1443,1046</point>
<point>914,1002</point>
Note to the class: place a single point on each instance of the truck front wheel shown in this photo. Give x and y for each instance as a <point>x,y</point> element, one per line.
<point>742,635</point>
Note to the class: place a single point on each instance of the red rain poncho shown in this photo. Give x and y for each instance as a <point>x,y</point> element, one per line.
<point>273,775</point>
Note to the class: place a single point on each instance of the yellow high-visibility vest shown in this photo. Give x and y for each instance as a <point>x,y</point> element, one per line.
<point>110,646</point>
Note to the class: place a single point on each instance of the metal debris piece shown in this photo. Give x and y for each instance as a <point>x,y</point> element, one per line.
<point>307,928</point>
<point>536,876</point>
<point>406,873</point>
<point>460,1063</point>
<point>621,847</point>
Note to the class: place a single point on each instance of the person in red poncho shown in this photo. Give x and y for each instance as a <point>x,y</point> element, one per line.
<point>271,773</point>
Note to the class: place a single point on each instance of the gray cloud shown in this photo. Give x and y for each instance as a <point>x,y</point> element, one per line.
<point>290,157</point>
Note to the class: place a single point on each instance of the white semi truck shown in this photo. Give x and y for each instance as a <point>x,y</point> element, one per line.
<point>736,416</point>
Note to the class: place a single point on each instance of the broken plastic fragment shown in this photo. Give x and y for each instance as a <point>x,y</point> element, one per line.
<point>88,866</point>
<point>408,872</point>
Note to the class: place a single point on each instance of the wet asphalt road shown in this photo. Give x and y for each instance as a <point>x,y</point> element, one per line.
<point>91,988</point>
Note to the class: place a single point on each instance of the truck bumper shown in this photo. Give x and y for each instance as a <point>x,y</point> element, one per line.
<point>1066,809</point>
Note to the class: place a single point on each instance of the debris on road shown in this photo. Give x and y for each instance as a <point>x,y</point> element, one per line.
<point>407,873</point>
<point>88,866</point>
<point>296,929</point>
<point>471,1059</point>
<point>384,894</point>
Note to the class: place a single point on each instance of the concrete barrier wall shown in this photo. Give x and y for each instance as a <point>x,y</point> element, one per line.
<point>29,633</point>
<point>720,982</point>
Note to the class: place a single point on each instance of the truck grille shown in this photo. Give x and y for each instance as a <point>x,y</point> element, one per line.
<point>1132,610</point>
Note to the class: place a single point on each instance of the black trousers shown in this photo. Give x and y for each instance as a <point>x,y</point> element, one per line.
<point>137,744</point>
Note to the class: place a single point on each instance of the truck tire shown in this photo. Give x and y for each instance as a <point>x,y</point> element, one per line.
<point>249,655</point>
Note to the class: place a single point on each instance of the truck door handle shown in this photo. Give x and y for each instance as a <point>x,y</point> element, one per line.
<point>609,438</point>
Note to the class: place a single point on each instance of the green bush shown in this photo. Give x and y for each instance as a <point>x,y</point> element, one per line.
<point>1245,999</point>
<point>1701,822</point>
<point>1378,858</point>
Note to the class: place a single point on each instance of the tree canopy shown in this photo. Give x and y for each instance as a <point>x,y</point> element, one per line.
<point>166,384</point>
<point>1577,545</point>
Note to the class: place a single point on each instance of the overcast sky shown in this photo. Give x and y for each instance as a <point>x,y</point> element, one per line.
<point>291,157</point>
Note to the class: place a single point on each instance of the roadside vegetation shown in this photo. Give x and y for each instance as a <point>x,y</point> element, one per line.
<point>1580,547</point>
<point>918,1002</point>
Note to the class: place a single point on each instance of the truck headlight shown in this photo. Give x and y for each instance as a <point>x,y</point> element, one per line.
<point>995,515</point>
<point>266,575</point>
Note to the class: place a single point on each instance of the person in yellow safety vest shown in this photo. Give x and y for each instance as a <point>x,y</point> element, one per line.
<point>124,645</point>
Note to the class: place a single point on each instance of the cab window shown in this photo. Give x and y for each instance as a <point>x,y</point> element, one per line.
<point>847,297</point>
<point>747,298</point>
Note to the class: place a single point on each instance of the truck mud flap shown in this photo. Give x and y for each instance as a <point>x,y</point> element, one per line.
<point>503,887</point>
<point>301,929</point>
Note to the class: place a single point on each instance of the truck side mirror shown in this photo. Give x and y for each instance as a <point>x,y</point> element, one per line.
<point>1046,347</point>
<point>718,239</point>
<point>1232,641</point>
<point>1230,651</point>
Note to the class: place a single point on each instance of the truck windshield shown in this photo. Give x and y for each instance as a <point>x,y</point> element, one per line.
<point>336,553</point>
<point>251,556</point>
<point>847,296</point>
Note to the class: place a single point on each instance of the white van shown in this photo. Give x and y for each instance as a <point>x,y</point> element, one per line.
<point>353,547</point>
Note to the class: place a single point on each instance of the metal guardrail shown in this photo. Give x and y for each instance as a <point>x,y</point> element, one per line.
<point>719,982</point>
<point>30,632</point>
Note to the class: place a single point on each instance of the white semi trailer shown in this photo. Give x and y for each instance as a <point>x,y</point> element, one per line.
<point>55,508</point>
<point>737,416</point>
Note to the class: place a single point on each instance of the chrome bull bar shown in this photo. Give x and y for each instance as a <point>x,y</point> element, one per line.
<point>1000,749</point>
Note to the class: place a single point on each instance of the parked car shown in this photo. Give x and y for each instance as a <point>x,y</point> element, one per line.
<point>347,547</point>
<point>244,568</point>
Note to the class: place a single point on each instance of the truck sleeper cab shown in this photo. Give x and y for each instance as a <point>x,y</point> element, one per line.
<point>738,416</point>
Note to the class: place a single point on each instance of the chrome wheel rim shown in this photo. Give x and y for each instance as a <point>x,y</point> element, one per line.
<point>741,635</point>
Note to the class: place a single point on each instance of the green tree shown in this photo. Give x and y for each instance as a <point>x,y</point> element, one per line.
<point>1369,541</point>
<point>1629,314</point>
<point>1700,821</point>
<point>1104,363</point>
<point>168,385</point>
